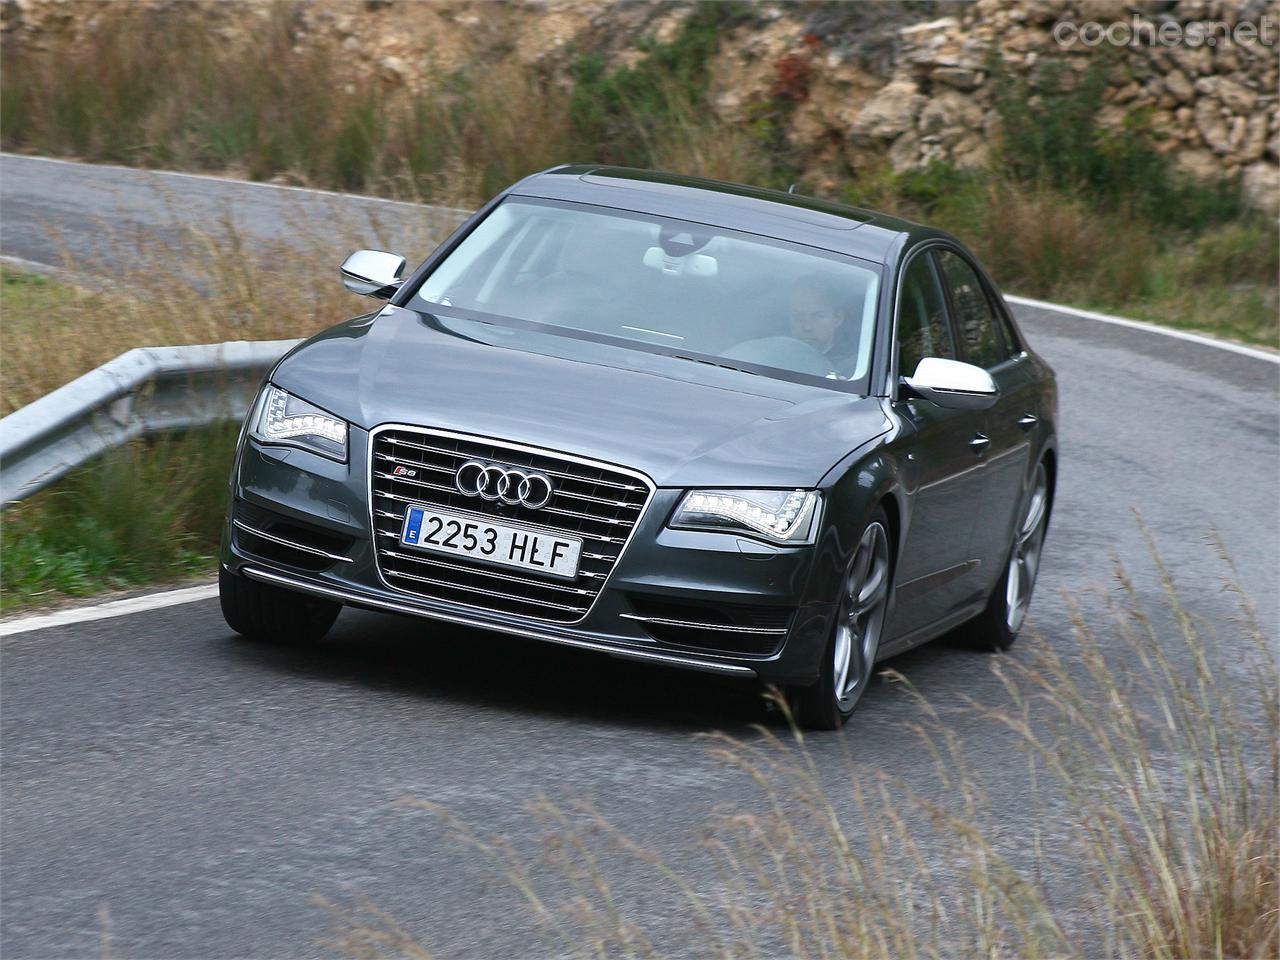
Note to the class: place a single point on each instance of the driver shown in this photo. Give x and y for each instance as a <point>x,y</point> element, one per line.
<point>818,317</point>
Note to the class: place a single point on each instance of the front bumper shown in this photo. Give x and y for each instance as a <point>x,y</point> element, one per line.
<point>299,498</point>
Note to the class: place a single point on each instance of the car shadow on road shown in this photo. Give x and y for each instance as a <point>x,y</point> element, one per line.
<point>493,673</point>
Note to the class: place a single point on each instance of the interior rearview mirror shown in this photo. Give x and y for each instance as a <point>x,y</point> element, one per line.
<point>950,383</point>
<point>373,273</point>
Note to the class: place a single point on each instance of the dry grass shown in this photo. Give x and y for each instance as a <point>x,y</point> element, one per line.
<point>1164,759</point>
<point>209,285</point>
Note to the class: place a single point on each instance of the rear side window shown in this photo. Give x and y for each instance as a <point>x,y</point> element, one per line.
<point>977,327</point>
<point>922,321</point>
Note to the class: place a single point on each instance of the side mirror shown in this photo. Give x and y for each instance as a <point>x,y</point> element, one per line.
<point>373,273</point>
<point>950,383</point>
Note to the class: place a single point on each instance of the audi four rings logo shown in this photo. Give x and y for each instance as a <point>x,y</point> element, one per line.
<point>507,484</point>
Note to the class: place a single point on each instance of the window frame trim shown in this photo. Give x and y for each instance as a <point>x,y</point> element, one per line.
<point>926,249</point>
<point>999,310</point>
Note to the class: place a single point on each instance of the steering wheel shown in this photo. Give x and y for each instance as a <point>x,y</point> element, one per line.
<point>787,353</point>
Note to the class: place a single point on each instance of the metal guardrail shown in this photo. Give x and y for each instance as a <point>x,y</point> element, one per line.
<point>143,391</point>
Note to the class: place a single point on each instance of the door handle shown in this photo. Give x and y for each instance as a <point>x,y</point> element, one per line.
<point>979,444</point>
<point>1027,421</point>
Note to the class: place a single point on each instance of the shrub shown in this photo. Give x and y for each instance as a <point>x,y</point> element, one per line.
<point>1051,137</point>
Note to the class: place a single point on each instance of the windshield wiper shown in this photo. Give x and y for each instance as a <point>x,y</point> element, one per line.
<point>714,363</point>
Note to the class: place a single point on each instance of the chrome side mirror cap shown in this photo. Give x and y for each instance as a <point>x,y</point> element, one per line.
<point>950,383</point>
<point>373,273</point>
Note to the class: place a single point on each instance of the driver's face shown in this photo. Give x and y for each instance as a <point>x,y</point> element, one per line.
<point>814,319</point>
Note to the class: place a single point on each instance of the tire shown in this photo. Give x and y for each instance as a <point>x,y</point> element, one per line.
<point>271,615</point>
<point>848,662</point>
<point>996,628</point>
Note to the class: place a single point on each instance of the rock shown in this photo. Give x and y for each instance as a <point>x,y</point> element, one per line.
<point>1238,98</point>
<point>1213,129</point>
<point>1194,61</point>
<point>1201,164</point>
<point>1176,82</point>
<point>1255,139</point>
<point>1261,186</point>
<point>393,68</point>
<point>890,113</point>
<point>1191,10</point>
<point>921,31</point>
<point>957,77</point>
<point>1105,11</point>
<point>905,152</point>
<point>1044,12</point>
<point>1235,137</point>
<point>970,153</point>
<point>950,116</point>
<point>1124,94</point>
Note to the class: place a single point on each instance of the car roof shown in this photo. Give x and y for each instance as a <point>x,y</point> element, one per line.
<point>774,213</point>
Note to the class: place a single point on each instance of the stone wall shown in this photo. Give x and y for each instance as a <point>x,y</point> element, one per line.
<point>863,85</point>
<point>1213,107</point>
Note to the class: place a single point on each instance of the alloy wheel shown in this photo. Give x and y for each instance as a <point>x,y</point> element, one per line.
<point>1024,563</point>
<point>860,618</point>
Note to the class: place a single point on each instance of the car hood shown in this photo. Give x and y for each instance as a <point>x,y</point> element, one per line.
<point>682,422</point>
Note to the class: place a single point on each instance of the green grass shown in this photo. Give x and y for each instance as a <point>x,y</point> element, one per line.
<point>29,300</point>
<point>145,513</point>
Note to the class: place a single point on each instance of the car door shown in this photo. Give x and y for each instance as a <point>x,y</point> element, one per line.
<point>986,339</point>
<point>943,468</point>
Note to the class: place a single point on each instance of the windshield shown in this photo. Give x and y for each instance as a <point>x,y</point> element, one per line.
<point>664,285</point>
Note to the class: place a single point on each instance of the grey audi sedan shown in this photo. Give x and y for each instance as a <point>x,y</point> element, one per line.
<point>666,419</point>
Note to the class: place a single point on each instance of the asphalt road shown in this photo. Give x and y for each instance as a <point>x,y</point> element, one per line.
<point>198,791</point>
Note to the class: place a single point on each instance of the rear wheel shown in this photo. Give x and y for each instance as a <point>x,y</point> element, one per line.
<point>850,656</point>
<point>266,613</point>
<point>997,626</point>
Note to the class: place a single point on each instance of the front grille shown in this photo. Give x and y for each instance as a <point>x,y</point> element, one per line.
<point>599,503</point>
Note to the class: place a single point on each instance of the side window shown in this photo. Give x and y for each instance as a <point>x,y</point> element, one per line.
<point>1011,342</point>
<point>922,321</point>
<point>977,329</point>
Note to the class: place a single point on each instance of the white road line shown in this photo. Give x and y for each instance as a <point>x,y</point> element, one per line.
<point>144,171</point>
<point>112,608</point>
<point>1204,341</point>
<point>31,266</point>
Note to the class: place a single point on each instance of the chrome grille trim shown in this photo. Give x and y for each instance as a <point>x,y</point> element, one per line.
<point>484,516</point>
<point>564,493</point>
<point>291,544</point>
<point>515,446</point>
<point>698,625</point>
<point>482,571</point>
<point>601,503</point>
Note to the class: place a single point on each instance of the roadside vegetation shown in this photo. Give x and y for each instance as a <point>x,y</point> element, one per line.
<point>152,511</point>
<point>1067,210</point>
<point>149,512</point>
<point>1151,766</point>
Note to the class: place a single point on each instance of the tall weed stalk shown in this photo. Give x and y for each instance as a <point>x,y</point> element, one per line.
<point>1155,735</point>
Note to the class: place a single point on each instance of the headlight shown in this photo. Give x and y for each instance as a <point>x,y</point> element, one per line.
<point>281,417</point>
<point>779,516</point>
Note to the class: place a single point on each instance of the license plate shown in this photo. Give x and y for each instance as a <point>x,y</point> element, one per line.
<point>508,546</point>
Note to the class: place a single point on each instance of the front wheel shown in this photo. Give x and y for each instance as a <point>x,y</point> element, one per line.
<point>851,651</point>
<point>997,626</point>
<point>262,612</point>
